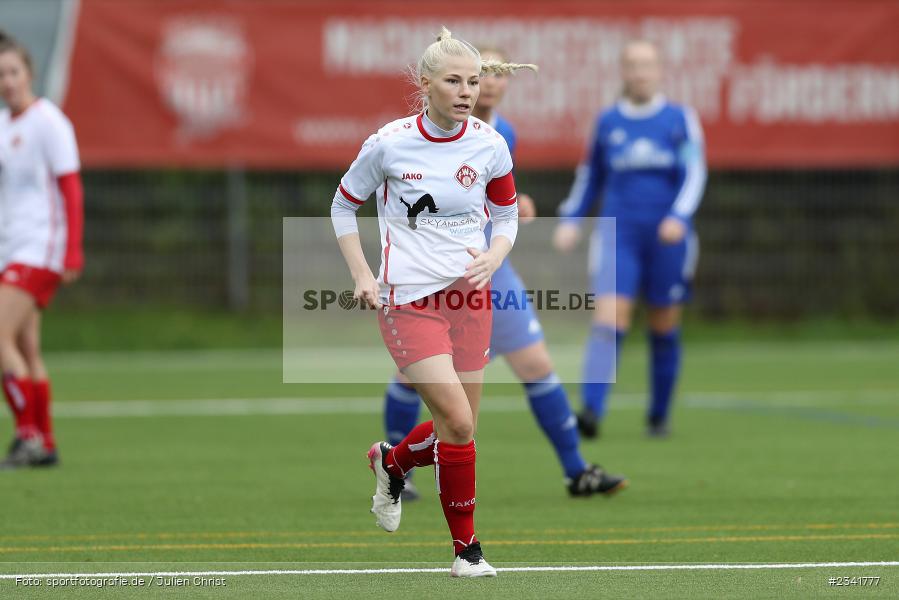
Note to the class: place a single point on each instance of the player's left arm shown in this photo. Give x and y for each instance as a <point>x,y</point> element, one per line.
<point>692,175</point>
<point>502,197</point>
<point>61,153</point>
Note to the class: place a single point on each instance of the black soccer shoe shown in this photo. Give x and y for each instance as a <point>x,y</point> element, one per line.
<point>594,480</point>
<point>657,427</point>
<point>50,459</point>
<point>24,453</point>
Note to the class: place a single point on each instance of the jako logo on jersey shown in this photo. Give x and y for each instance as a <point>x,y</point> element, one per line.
<point>408,176</point>
<point>203,68</point>
<point>466,176</point>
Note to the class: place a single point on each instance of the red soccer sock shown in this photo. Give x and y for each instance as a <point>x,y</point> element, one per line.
<point>455,472</point>
<point>416,449</point>
<point>41,396</point>
<point>19,396</point>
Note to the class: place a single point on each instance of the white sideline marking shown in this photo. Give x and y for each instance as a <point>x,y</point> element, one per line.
<point>492,404</point>
<point>688,567</point>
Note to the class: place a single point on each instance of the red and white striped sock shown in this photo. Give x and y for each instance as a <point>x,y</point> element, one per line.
<point>42,418</point>
<point>416,450</point>
<point>20,398</point>
<point>455,471</point>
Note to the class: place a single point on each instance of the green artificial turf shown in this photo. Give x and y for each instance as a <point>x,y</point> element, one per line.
<point>781,453</point>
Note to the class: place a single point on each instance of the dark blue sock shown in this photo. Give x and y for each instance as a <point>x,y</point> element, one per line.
<point>401,407</point>
<point>549,403</point>
<point>603,348</point>
<point>665,349</point>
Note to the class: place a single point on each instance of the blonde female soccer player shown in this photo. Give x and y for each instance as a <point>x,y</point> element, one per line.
<point>438,175</point>
<point>40,245</point>
<point>517,336</point>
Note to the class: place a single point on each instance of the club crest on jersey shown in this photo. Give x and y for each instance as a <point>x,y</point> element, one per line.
<point>466,176</point>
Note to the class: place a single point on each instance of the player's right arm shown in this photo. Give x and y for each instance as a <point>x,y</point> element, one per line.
<point>588,181</point>
<point>360,181</point>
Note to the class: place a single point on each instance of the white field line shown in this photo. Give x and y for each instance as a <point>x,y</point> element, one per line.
<point>491,404</point>
<point>683,567</point>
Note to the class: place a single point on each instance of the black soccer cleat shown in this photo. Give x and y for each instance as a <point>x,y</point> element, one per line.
<point>51,459</point>
<point>24,452</point>
<point>657,427</point>
<point>588,424</point>
<point>594,480</point>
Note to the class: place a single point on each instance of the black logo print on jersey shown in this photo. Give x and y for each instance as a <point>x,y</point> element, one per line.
<point>420,205</point>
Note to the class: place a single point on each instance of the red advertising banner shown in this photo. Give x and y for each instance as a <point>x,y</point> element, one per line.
<point>300,85</point>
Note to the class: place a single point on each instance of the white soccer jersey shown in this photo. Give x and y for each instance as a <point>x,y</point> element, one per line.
<point>432,195</point>
<point>36,147</point>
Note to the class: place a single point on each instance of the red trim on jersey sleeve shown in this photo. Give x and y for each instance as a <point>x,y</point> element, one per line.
<point>73,198</point>
<point>349,196</point>
<point>430,138</point>
<point>501,191</point>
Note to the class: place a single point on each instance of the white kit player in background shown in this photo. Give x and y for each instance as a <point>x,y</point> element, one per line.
<point>437,178</point>
<point>41,222</point>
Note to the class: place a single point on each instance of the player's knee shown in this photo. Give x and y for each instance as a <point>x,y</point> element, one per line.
<point>27,348</point>
<point>534,369</point>
<point>614,312</point>
<point>8,341</point>
<point>664,320</point>
<point>624,310</point>
<point>662,328</point>
<point>458,429</point>
<point>36,367</point>
<point>618,321</point>
<point>7,332</point>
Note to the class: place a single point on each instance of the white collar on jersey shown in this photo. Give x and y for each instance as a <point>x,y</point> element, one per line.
<point>438,132</point>
<point>642,111</point>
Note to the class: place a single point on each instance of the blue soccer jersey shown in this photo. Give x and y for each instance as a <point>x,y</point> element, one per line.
<point>514,328</point>
<point>646,162</point>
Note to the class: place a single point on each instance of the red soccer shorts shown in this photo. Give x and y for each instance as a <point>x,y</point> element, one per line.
<point>456,321</point>
<point>40,283</point>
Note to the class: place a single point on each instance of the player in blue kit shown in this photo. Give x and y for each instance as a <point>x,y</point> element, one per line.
<point>646,160</point>
<point>516,334</point>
